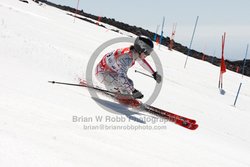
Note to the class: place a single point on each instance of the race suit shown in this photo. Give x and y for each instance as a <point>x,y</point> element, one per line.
<point>112,70</point>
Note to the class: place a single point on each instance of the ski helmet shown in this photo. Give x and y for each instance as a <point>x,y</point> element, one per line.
<point>144,45</point>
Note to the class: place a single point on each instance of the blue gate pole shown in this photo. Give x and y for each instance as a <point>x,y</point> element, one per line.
<point>243,70</point>
<point>191,41</point>
<point>155,36</point>
<point>162,29</point>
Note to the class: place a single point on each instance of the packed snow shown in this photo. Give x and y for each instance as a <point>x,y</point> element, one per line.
<point>55,125</point>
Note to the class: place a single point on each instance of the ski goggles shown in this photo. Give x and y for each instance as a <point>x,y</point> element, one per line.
<point>148,51</point>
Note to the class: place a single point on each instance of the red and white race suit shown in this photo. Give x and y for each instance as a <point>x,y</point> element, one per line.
<point>112,70</point>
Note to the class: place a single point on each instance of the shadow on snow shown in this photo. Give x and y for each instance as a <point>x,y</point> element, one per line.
<point>116,108</point>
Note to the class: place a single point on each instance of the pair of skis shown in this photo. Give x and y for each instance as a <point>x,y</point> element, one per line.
<point>136,104</point>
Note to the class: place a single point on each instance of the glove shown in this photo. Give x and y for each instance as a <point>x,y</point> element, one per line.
<point>157,77</point>
<point>137,95</point>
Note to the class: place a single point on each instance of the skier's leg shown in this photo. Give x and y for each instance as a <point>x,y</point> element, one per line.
<point>122,85</point>
<point>109,79</point>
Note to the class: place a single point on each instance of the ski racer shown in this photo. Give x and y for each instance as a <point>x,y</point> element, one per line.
<point>112,69</point>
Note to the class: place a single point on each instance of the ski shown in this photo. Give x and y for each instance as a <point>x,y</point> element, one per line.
<point>136,104</point>
<point>172,115</point>
<point>177,119</point>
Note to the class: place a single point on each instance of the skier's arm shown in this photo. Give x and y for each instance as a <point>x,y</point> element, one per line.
<point>146,65</point>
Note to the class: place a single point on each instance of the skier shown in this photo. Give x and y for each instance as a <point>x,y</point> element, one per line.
<point>112,69</point>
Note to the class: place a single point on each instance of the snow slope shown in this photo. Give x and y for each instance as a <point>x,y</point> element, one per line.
<point>41,43</point>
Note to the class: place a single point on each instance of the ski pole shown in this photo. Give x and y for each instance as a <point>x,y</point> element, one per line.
<point>81,85</point>
<point>144,74</point>
<point>64,83</point>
